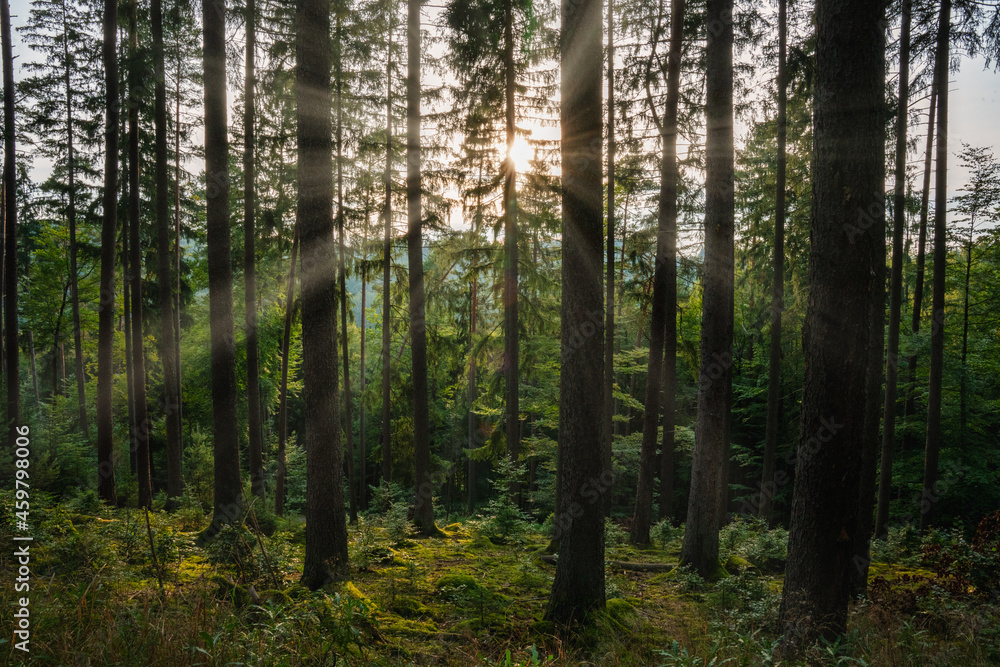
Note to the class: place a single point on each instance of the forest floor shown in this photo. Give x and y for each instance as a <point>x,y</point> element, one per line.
<point>96,598</point>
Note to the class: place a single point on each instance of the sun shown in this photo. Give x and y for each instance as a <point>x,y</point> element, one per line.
<point>521,153</point>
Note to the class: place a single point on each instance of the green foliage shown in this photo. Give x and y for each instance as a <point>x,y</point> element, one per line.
<point>503,520</point>
<point>750,538</point>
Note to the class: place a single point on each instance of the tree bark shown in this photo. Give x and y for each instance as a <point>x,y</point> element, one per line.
<point>386,269</point>
<point>175,484</point>
<point>10,235</point>
<point>896,280</point>
<point>423,511</point>
<point>228,490</point>
<point>71,218</point>
<point>918,289</point>
<point>256,439</point>
<point>710,463</point>
<point>473,316</point>
<point>326,530</point>
<point>578,588</point>
<point>510,233</point>
<point>772,425</point>
<point>109,236</point>
<point>279,493</point>
<point>609,267</point>
<point>352,489</point>
<point>141,427</point>
<point>932,445</point>
<point>848,242</point>
<point>663,315</point>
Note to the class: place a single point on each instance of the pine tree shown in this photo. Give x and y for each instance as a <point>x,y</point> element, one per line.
<point>326,530</point>
<point>710,463</point>
<point>578,588</point>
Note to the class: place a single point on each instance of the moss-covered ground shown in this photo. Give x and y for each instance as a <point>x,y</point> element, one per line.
<point>96,599</point>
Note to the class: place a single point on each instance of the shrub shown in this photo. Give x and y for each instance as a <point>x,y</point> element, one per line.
<point>503,520</point>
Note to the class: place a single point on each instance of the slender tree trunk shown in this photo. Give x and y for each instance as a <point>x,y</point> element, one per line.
<point>133,461</point>
<point>279,494</point>
<point>846,283</point>
<point>386,271</point>
<point>109,235</point>
<point>609,266</point>
<point>177,252</point>
<point>352,488</point>
<point>363,432</point>
<point>140,428</point>
<point>710,463</point>
<point>510,233</point>
<point>473,316</point>
<point>663,315</point>
<point>228,504</point>
<point>71,217</point>
<point>896,280</point>
<point>578,589</point>
<point>773,423</point>
<point>963,386</point>
<point>932,447</point>
<point>175,485</point>
<point>909,441</point>
<point>669,381</point>
<point>256,444</point>
<point>423,511</point>
<point>34,373</point>
<point>326,531</point>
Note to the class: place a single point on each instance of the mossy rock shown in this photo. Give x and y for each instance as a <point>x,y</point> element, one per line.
<point>276,597</point>
<point>297,592</point>
<point>226,589</point>
<point>465,581</point>
<point>408,628</point>
<point>408,607</point>
<point>453,528</point>
<point>352,591</point>
<point>620,612</point>
<point>736,564</point>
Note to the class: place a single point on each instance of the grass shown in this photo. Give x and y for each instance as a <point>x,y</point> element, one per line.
<point>458,600</point>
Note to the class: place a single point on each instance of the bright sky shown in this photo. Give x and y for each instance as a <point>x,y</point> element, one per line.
<point>974,106</point>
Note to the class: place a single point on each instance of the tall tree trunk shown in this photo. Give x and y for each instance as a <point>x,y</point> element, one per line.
<point>362,431</point>
<point>71,217</point>
<point>671,178</point>
<point>609,266</point>
<point>710,463</point>
<point>256,444</point>
<point>473,316</point>
<point>578,589</point>
<point>109,236</point>
<point>133,461</point>
<point>34,373</point>
<point>352,489</point>
<point>963,379</point>
<point>228,489</point>
<point>175,485</point>
<point>896,279</point>
<point>663,316</point>
<point>423,511</point>
<point>772,425</point>
<point>177,251</point>
<point>848,242</point>
<point>918,290</point>
<point>932,446</point>
<point>510,295</point>
<point>279,493</point>
<point>387,267</point>
<point>326,531</point>
<point>140,428</point>
<point>10,235</point>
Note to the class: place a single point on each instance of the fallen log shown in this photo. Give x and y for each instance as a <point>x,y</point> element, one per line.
<point>623,565</point>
